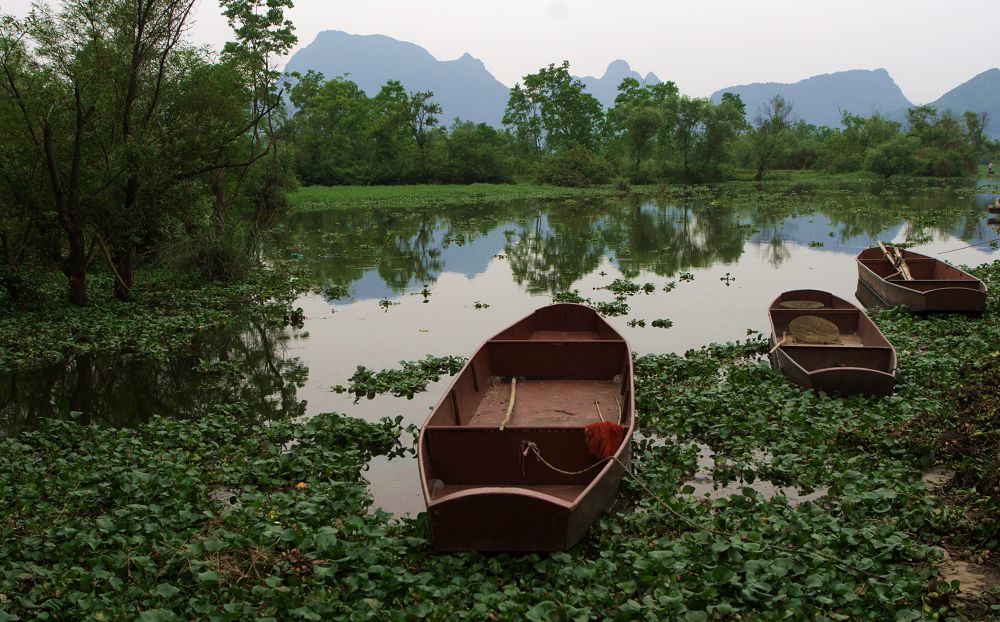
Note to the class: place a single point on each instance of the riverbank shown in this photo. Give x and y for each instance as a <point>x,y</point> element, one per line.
<point>167,313</point>
<point>181,520</point>
<point>322,198</point>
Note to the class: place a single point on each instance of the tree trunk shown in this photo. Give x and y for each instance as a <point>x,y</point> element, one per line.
<point>75,267</point>
<point>219,202</point>
<point>125,279</point>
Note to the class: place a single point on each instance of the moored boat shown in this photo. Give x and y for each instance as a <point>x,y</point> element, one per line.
<point>934,286</point>
<point>511,458</point>
<point>855,357</point>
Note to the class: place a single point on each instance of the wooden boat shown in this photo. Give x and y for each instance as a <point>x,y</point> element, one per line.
<point>936,286</point>
<point>485,487</point>
<point>861,360</point>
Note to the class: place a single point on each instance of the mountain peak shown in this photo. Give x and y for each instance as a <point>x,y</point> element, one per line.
<point>605,88</point>
<point>978,94</point>
<point>617,68</point>
<point>822,99</point>
<point>463,87</point>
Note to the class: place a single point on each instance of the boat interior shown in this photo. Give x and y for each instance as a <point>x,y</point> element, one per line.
<point>928,273</point>
<point>860,343</point>
<point>571,369</point>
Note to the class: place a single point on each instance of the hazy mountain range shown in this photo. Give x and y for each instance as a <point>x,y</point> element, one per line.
<point>466,89</point>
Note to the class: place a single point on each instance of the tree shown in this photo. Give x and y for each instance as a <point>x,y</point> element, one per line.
<point>331,129</point>
<point>692,114</point>
<point>477,152</point>
<point>105,104</point>
<point>636,119</point>
<point>553,111</point>
<point>770,138</point>
<point>423,114</point>
<point>392,133</point>
<point>724,121</point>
<point>975,128</point>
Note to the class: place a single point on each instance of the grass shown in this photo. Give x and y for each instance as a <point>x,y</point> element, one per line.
<point>314,198</point>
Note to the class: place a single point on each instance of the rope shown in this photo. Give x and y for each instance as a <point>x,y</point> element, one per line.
<point>618,402</point>
<point>510,407</point>
<point>530,447</point>
<point>598,404</point>
<point>969,246</point>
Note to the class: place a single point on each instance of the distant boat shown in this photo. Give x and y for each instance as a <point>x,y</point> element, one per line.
<point>857,358</point>
<point>935,286</point>
<point>569,376</point>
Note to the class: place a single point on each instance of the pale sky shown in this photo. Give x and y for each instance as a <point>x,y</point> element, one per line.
<point>928,47</point>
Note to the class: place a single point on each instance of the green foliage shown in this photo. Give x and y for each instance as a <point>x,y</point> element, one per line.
<point>552,111</point>
<point>411,379</point>
<point>121,128</point>
<point>342,136</point>
<point>575,167</point>
<point>183,519</point>
<point>163,318</point>
<point>215,517</point>
<point>896,156</point>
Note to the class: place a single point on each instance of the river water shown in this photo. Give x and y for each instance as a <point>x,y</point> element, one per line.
<point>441,280</point>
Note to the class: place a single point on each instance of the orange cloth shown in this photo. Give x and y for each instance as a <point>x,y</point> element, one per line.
<point>603,438</point>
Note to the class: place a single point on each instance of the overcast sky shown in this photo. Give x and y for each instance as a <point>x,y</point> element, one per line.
<point>927,46</point>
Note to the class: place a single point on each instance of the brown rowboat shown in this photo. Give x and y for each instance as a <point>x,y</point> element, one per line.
<point>860,361</point>
<point>936,286</point>
<point>485,487</point>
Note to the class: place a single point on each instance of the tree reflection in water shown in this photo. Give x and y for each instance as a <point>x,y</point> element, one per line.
<point>552,244</point>
<point>240,371</point>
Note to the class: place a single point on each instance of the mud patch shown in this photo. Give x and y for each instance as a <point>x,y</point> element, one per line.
<point>979,583</point>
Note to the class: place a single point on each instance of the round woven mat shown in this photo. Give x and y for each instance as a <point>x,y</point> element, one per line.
<point>812,329</point>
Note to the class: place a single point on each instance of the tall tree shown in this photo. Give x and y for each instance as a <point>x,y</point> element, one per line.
<point>771,137</point>
<point>553,110</point>
<point>104,92</point>
<point>423,115</point>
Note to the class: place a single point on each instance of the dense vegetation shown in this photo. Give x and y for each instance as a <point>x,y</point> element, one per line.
<point>556,132</point>
<point>123,142</point>
<point>221,519</point>
<point>138,177</point>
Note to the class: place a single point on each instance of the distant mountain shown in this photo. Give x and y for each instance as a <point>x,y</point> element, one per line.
<point>980,94</point>
<point>605,88</point>
<point>463,87</point>
<point>821,99</point>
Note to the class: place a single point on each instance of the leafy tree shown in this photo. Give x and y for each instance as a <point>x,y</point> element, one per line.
<point>553,111</point>
<point>771,138</point>
<point>945,148</point>
<point>107,108</point>
<point>423,115</point>
<point>331,129</point>
<point>896,156</point>
<point>477,152</point>
<point>692,117</point>
<point>637,120</point>
<point>723,123</point>
<point>975,128</point>
<point>392,132</point>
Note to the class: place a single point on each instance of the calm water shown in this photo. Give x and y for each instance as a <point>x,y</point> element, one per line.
<point>415,278</point>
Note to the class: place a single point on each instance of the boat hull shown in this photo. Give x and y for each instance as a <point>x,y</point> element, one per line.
<point>530,485</point>
<point>865,363</point>
<point>937,286</point>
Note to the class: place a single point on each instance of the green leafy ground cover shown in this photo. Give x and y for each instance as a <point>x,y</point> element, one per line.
<point>164,317</point>
<point>319,198</point>
<point>316,198</point>
<point>218,519</point>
